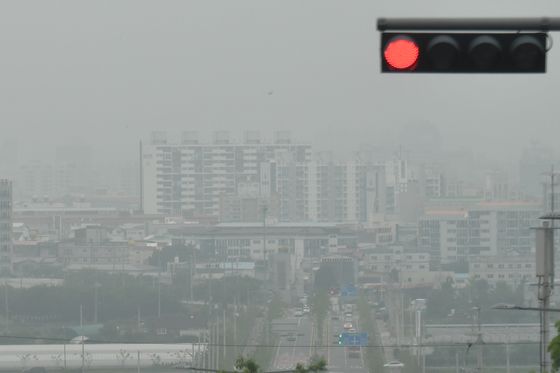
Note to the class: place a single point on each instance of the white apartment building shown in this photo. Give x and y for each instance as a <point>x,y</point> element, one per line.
<point>187,177</point>
<point>211,180</point>
<point>346,192</point>
<point>485,229</point>
<point>6,245</point>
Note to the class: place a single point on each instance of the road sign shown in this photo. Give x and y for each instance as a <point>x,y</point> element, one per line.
<point>349,291</point>
<point>353,339</point>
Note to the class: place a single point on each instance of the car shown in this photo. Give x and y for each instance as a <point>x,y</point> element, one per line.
<point>298,313</point>
<point>347,325</point>
<point>354,354</point>
<point>306,309</point>
<point>335,317</point>
<point>394,364</point>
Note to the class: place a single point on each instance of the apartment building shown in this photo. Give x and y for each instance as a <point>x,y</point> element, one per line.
<point>485,229</point>
<point>232,181</point>
<point>189,177</point>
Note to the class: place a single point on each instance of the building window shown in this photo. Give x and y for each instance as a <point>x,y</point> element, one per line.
<point>161,331</point>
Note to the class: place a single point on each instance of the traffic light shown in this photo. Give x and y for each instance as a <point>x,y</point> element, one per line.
<point>412,52</point>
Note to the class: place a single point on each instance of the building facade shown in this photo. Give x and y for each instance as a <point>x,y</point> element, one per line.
<point>190,178</point>
<point>513,270</point>
<point>486,229</point>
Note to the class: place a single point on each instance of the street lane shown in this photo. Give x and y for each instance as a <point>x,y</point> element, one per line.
<point>340,358</point>
<point>294,343</point>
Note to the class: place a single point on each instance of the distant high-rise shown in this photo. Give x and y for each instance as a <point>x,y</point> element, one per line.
<point>190,178</point>
<point>6,247</point>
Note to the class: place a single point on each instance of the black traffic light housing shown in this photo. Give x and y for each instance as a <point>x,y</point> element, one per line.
<point>458,52</point>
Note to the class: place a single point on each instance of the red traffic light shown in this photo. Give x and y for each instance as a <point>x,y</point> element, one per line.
<point>457,52</point>
<point>401,53</point>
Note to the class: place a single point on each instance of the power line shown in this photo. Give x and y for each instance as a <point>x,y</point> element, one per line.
<point>92,341</point>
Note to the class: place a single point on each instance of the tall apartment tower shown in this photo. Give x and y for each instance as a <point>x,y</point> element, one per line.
<point>6,247</point>
<point>188,177</point>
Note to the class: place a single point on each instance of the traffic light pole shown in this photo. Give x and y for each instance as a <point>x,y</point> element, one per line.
<point>474,24</point>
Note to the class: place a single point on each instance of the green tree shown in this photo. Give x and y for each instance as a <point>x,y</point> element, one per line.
<point>319,365</point>
<point>250,366</point>
<point>247,365</point>
<point>554,349</point>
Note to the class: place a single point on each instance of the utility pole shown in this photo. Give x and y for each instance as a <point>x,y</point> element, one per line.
<point>224,336</point>
<point>96,287</point>
<point>479,356</point>
<point>159,286</point>
<point>217,343</point>
<point>265,209</point>
<point>545,271</point>
<point>6,307</point>
<point>211,347</point>
<point>82,337</point>
<point>507,358</point>
<point>192,272</point>
<point>234,346</point>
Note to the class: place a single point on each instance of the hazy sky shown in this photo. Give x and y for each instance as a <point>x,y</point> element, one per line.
<point>109,72</point>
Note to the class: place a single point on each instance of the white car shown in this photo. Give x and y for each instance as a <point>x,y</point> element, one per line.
<point>306,309</point>
<point>298,313</point>
<point>347,325</point>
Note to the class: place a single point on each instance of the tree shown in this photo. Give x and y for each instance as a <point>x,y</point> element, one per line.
<point>319,365</point>
<point>247,365</point>
<point>554,349</point>
<point>250,366</point>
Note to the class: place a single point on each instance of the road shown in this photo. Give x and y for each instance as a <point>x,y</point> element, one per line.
<point>296,339</point>
<point>339,358</point>
<point>294,345</point>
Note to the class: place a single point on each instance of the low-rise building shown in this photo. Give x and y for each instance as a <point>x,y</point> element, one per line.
<point>510,269</point>
<point>214,270</point>
<point>392,265</point>
<point>257,242</point>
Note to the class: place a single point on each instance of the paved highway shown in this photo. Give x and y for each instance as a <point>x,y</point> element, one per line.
<point>343,359</point>
<point>294,343</point>
<point>296,339</point>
